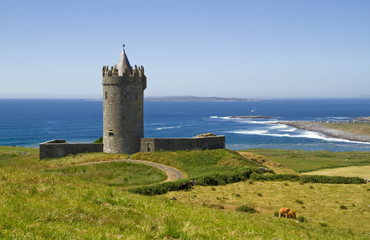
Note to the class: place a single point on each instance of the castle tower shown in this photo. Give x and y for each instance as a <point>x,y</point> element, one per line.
<point>123,100</point>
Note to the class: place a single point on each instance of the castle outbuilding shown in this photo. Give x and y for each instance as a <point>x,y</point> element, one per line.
<point>123,102</point>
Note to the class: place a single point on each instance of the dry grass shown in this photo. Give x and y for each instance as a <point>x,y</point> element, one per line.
<point>353,171</point>
<point>320,203</point>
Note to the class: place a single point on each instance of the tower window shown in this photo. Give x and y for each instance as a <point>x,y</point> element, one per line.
<point>110,133</point>
<point>106,95</point>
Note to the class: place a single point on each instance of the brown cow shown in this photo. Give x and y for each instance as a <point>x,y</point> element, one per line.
<point>291,214</point>
<point>283,212</point>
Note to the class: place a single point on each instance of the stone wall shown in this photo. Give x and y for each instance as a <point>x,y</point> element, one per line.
<point>60,148</point>
<point>123,101</point>
<point>174,144</point>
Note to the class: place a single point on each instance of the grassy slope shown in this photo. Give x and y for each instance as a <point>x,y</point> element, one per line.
<point>37,204</point>
<point>276,167</point>
<point>305,161</point>
<point>121,174</point>
<point>195,163</point>
<point>318,202</point>
<point>361,128</point>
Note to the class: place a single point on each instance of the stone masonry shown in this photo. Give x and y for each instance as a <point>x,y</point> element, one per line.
<point>123,101</point>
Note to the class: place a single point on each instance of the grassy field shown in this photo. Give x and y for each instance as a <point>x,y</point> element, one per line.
<point>306,161</point>
<point>195,163</point>
<point>121,174</point>
<point>361,128</point>
<point>352,171</point>
<point>323,204</point>
<point>56,199</point>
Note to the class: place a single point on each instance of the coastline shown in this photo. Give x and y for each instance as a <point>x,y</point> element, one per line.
<point>330,132</point>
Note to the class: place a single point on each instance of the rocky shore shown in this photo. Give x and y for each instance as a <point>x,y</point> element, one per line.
<point>317,127</point>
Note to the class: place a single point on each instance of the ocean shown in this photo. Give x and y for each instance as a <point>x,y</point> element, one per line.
<point>28,122</point>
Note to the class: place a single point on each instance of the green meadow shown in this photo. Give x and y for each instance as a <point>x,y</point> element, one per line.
<point>76,198</point>
<point>306,161</point>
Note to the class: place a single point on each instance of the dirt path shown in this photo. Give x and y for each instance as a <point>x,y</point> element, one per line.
<point>172,173</point>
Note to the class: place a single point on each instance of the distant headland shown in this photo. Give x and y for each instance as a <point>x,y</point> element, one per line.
<point>193,98</point>
<point>358,130</point>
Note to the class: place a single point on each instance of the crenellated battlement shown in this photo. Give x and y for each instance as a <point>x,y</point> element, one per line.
<point>113,71</point>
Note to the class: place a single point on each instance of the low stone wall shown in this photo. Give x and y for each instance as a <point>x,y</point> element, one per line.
<point>60,148</point>
<point>174,144</point>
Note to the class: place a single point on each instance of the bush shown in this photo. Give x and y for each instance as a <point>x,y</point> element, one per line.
<point>331,179</point>
<point>307,178</point>
<point>158,189</point>
<point>299,201</point>
<point>302,219</point>
<point>248,209</point>
<point>343,207</point>
<point>322,224</point>
<point>274,177</point>
<point>100,140</point>
<point>213,179</point>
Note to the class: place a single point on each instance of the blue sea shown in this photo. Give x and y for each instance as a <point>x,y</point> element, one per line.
<point>26,122</point>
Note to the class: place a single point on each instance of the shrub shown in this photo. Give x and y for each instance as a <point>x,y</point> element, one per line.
<point>100,140</point>
<point>157,189</point>
<point>248,209</point>
<point>343,207</point>
<point>274,177</point>
<point>298,201</point>
<point>307,178</point>
<point>212,179</point>
<point>302,219</point>
<point>331,179</point>
<point>322,224</point>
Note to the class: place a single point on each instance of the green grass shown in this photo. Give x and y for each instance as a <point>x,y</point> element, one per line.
<point>339,206</point>
<point>351,171</point>
<point>361,128</point>
<point>197,163</point>
<point>99,140</point>
<point>114,173</point>
<point>64,203</point>
<point>305,161</point>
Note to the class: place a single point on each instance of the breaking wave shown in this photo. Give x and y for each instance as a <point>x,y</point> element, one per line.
<point>302,134</point>
<point>162,128</point>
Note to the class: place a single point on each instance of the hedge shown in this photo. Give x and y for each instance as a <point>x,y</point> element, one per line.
<point>307,178</point>
<point>203,180</point>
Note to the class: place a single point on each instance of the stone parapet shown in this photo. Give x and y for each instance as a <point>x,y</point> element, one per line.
<point>175,144</point>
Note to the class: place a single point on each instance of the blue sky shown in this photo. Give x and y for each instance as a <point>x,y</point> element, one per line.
<point>249,49</point>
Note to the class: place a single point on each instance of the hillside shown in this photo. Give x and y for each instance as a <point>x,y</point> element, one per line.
<point>57,199</point>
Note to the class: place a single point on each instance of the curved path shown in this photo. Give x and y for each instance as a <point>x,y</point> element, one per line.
<point>172,173</point>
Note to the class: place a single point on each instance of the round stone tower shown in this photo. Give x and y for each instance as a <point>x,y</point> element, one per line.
<point>123,100</point>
